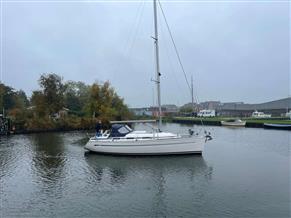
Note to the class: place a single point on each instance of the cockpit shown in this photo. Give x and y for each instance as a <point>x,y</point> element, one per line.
<point>119,130</point>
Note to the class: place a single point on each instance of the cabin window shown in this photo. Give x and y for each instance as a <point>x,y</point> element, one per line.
<point>123,130</point>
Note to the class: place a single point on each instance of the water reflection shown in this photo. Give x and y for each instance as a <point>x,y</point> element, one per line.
<point>159,179</point>
<point>6,157</point>
<point>105,167</point>
<point>48,157</point>
<point>118,168</point>
<point>47,175</point>
<point>12,150</point>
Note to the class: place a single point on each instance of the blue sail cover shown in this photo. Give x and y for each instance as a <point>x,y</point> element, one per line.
<point>119,130</point>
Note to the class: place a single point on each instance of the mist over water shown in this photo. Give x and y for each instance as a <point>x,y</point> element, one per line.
<point>242,173</point>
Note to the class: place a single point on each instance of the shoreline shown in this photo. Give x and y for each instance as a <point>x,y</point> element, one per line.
<point>250,123</point>
<point>36,131</point>
<point>181,120</point>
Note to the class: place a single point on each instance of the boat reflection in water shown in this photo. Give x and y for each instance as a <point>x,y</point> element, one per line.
<point>148,185</point>
<point>118,168</point>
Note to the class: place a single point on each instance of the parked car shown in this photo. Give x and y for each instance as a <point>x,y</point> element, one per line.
<point>206,113</point>
<point>288,114</point>
<point>258,114</point>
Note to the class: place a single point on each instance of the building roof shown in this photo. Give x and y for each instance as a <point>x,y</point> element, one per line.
<point>271,105</point>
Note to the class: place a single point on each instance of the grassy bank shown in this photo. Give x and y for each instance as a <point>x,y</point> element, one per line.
<point>216,121</point>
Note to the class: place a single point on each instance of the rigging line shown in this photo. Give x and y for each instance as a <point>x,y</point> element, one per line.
<point>138,26</point>
<point>174,44</point>
<point>197,101</point>
<point>178,56</point>
<point>136,30</point>
<point>170,66</point>
<point>131,32</point>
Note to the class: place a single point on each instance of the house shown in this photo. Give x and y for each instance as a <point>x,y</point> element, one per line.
<point>144,111</point>
<point>170,109</point>
<point>61,113</point>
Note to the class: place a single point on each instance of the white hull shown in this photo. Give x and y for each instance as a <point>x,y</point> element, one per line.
<point>183,145</point>
<point>233,124</point>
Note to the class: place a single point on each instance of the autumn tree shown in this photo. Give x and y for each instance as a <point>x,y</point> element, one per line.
<point>38,104</point>
<point>53,91</point>
<point>7,97</point>
<point>105,104</point>
<point>76,95</point>
<point>86,101</point>
<point>21,99</point>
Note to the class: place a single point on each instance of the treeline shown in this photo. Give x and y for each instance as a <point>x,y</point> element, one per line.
<point>62,105</point>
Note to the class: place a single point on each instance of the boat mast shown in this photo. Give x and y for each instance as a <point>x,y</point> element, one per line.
<point>158,74</point>
<point>192,95</point>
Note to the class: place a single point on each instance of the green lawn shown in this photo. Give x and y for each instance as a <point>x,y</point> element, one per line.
<point>249,120</point>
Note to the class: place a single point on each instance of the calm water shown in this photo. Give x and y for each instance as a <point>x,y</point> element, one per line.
<point>242,173</point>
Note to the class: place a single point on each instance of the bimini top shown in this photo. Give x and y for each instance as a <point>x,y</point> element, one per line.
<point>120,130</point>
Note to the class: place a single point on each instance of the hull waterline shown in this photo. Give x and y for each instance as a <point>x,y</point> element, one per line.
<point>277,126</point>
<point>233,124</point>
<point>187,145</point>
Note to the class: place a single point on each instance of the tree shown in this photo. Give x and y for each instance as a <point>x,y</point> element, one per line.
<point>53,91</point>
<point>18,112</point>
<point>7,97</point>
<point>76,95</point>
<point>21,99</point>
<point>97,100</point>
<point>71,99</point>
<point>83,92</point>
<point>105,104</point>
<point>38,104</point>
<point>92,107</point>
<point>121,109</point>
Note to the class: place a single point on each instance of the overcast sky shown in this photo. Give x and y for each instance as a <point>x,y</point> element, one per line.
<point>235,50</point>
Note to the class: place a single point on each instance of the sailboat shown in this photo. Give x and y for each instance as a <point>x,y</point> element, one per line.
<point>122,140</point>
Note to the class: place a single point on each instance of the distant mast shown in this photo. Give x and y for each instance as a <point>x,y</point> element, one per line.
<point>158,74</point>
<point>192,94</point>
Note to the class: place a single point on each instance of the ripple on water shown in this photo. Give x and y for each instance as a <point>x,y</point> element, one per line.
<point>46,175</point>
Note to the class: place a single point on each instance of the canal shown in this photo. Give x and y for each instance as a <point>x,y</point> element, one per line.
<point>243,172</point>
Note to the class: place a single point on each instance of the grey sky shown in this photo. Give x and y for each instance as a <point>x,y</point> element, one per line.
<point>236,51</point>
